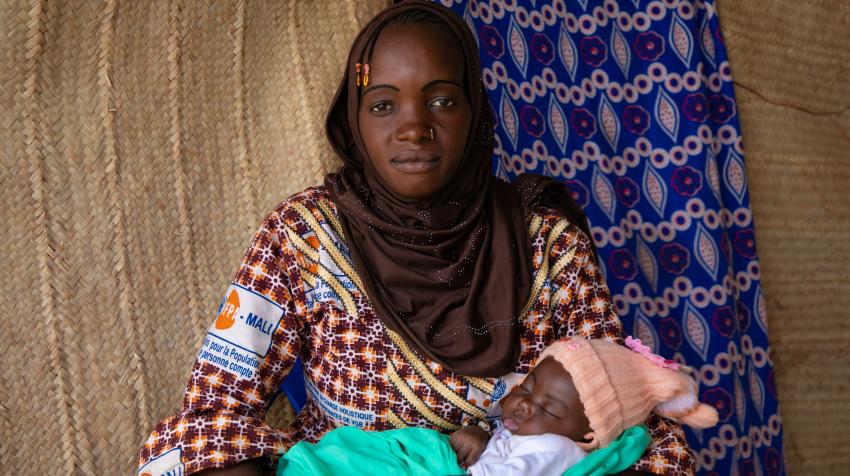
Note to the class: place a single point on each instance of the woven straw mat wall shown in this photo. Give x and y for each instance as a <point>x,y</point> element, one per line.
<point>791,65</point>
<point>142,142</point>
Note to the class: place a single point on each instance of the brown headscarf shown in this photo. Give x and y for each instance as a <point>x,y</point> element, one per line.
<point>450,274</point>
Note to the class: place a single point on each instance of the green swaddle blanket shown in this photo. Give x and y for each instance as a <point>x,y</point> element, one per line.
<point>352,451</point>
<point>618,456</point>
<point>424,452</point>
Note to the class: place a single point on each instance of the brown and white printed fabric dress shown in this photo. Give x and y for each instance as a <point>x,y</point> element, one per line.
<point>296,294</point>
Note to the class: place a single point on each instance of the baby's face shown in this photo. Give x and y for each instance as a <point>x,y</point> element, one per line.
<point>545,402</point>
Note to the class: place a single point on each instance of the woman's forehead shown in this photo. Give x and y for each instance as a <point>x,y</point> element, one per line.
<point>421,49</point>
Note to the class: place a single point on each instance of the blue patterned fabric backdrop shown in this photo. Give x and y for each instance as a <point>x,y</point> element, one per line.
<point>631,104</point>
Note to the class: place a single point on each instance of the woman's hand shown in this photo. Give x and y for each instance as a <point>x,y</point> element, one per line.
<point>468,443</point>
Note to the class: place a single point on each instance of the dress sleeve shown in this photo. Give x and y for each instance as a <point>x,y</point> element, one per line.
<point>581,304</point>
<point>248,350</point>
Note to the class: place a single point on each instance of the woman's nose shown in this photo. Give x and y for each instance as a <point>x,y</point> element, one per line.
<point>413,132</point>
<point>413,126</point>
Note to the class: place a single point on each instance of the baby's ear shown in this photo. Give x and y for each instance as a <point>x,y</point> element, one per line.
<point>589,442</point>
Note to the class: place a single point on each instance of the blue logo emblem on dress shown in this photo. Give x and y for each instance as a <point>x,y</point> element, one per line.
<point>499,390</point>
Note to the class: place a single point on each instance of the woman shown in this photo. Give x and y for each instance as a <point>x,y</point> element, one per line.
<point>415,287</point>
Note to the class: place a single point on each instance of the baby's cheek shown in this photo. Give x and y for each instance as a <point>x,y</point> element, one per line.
<point>506,403</point>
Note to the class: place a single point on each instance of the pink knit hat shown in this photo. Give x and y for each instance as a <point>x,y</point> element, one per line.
<point>620,386</point>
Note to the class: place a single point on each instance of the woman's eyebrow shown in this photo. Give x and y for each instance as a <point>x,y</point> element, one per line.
<point>440,81</point>
<point>379,86</point>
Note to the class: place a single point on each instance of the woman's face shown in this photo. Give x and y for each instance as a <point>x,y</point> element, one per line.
<point>415,86</point>
<point>545,402</point>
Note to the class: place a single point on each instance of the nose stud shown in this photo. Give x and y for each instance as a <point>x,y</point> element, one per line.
<point>431,131</point>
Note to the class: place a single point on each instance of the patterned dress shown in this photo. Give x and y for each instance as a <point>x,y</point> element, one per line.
<point>296,294</point>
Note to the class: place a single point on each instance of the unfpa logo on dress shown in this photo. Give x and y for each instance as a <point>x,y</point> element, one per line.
<point>230,312</point>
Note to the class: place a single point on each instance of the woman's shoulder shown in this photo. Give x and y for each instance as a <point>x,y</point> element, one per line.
<point>310,198</point>
<point>315,200</point>
<point>302,211</point>
<point>552,224</point>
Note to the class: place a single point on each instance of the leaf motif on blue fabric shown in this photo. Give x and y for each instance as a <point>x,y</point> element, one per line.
<point>519,48</point>
<point>713,175</point>
<point>620,49</point>
<point>648,264</point>
<point>602,267</point>
<point>603,193</point>
<point>756,389</point>
<point>681,40</point>
<point>467,17</point>
<point>510,121</point>
<point>698,433</point>
<point>757,464</point>
<point>568,52</point>
<point>740,401</point>
<point>760,309</point>
<point>706,251</point>
<point>608,122</point>
<point>696,330</point>
<point>735,174</point>
<point>667,114</point>
<point>637,3</point>
<point>654,188</point>
<point>558,123</point>
<point>645,331</point>
<point>501,171</point>
<point>583,4</point>
<point>707,41</point>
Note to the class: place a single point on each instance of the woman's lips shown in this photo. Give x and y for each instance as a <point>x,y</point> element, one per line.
<point>510,424</point>
<point>415,163</point>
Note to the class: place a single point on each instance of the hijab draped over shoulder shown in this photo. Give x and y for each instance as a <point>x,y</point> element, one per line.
<point>452,273</point>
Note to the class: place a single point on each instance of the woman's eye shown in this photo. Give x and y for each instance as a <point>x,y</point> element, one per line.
<point>442,102</point>
<point>380,107</point>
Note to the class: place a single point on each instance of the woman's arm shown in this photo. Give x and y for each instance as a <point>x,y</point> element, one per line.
<point>249,348</point>
<point>581,304</point>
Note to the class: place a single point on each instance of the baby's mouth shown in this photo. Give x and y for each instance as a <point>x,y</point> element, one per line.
<point>510,424</point>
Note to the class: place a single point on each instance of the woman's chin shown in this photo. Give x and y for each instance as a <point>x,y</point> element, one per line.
<point>416,187</point>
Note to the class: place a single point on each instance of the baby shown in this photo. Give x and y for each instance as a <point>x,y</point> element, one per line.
<point>577,410</point>
<point>580,397</point>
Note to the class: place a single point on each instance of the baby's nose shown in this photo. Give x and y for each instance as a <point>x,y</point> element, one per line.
<point>525,408</point>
